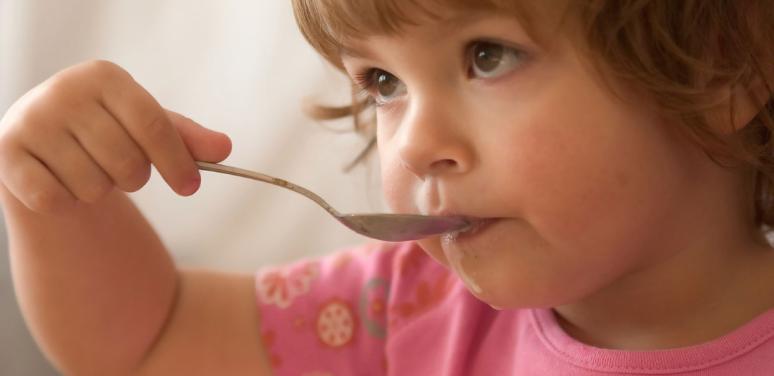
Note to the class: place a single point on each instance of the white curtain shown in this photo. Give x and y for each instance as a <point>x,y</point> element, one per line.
<point>238,66</point>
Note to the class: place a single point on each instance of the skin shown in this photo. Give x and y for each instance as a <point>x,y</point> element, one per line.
<point>604,211</point>
<point>88,269</point>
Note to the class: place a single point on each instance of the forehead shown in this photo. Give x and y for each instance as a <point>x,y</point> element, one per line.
<point>355,17</point>
<point>331,25</point>
<point>431,31</point>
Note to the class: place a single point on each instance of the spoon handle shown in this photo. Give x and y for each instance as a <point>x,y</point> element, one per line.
<point>214,167</point>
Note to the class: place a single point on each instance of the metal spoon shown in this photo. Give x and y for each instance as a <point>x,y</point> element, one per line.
<point>389,227</point>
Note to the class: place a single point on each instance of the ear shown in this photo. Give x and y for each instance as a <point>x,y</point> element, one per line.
<point>749,101</point>
<point>743,104</point>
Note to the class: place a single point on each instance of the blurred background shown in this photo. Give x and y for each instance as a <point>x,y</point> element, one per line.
<point>237,66</point>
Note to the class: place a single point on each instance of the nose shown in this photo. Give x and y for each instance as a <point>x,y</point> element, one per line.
<point>433,139</point>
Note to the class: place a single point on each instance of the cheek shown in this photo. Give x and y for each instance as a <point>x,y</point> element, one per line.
<point>600,194</point>
<point>587,217</point>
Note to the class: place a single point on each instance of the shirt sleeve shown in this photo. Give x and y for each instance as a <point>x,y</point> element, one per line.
<point>328,316</point>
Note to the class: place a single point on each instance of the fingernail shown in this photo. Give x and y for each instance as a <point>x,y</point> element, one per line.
<point>192,186</point>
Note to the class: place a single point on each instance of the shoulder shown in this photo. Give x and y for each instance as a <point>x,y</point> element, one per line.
<point>336,308</point>
<point>360,309</point>
<point>340,273</point>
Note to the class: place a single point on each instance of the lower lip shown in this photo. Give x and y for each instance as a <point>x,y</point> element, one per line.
<point>478,229</point>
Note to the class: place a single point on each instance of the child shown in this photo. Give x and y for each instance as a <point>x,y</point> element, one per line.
<point>615,155</point>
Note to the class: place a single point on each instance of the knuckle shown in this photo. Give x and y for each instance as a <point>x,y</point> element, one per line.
<point>104,69</point>
<point>29,114</point>
<point>35,130</point>
<point>156,126</point>
<point>82,81</point>
<point>46,200</point>
<point>61,96</point>
<point>132,173</point>
<point>96,190</point>
<point>9,154</point>
<point>64,88</point>
<point>59,84</point>
<point>8,143</point>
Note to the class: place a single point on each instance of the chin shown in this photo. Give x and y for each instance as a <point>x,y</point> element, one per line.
<point>432,246</point>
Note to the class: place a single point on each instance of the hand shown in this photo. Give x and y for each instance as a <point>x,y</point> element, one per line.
<point>90,129</point>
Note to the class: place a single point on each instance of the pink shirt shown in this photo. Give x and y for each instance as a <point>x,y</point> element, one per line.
<point>389,309</point>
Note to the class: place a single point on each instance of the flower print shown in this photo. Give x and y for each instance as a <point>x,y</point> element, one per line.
<point>336,323</point>
<point>279,287</point>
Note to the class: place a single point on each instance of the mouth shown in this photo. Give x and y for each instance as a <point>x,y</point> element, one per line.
<point>477,227</point>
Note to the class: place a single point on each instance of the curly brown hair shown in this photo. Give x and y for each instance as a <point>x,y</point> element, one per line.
<point>690,56</point>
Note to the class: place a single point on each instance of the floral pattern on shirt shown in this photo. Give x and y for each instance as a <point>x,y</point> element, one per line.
<point>279,287</point>
<point>336,323</point>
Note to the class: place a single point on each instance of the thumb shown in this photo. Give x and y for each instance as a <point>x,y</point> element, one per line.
<point>204,144</point>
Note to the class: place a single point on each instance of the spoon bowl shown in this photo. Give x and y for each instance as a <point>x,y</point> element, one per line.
<point>382,226</point>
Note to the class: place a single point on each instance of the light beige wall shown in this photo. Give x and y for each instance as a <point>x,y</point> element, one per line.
<point>240,67</point>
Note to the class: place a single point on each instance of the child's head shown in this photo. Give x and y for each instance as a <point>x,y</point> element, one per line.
<point>582,127</point>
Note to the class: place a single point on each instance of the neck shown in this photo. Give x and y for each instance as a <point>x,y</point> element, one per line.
<point>693,306</point>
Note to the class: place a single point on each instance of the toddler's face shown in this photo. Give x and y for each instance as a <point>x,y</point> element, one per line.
<point>476,119</point>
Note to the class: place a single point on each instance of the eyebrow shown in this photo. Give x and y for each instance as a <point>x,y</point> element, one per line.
<point>454,23</point>
<point>345,51</point>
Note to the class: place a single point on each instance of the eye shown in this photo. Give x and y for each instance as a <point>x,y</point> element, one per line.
<point>489,59</point>
<point>381,85</point>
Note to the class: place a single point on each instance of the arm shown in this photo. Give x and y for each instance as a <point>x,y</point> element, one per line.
<point>97,287</point>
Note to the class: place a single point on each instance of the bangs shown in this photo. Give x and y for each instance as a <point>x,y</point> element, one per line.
<point>328,24</point>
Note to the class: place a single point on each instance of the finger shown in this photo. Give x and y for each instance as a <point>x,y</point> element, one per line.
<point>147,123</point>
<point>71,165</point>
<point>113,149</point>
<point>31,182</point>
<point>204,144</point>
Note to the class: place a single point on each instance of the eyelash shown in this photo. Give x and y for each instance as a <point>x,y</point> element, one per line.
<point>365,81</point>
